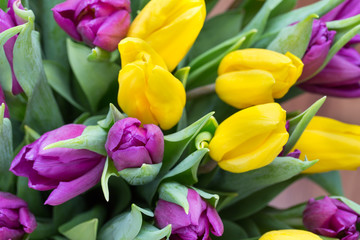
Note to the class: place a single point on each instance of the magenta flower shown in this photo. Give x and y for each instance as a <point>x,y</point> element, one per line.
<point>348,8</point>
<point>8,20</point>
<point>331,218</point>
<point>2,100</point>
<point>15,218</point>
<point>197,224</point>
<point>130,145</point>
<point>101,23</point>
<point>69,172</point>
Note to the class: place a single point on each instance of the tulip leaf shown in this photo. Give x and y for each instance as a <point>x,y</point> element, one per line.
<point>202,140</point>
<point>109,170</point>
<point>330,181</point>
<point>113,116</point>
<point>93,138</point>
<point>175,193</point>
<point>148,231</point>
<point>353,205</point>
<point>5,71</point>
<point>280,170</point>
<point>294,39</point>
<point>186,171</point>
<point>142,175</point>
<point>3,4</point>
<point>298,124</point>
<point>59,81</point>
<point>267,222</point>
<point>65,212</point>
<point>212,199</point>
<point>232,231</point>
<point>182,74</point>
<point>6,152</point>
<point>94,77</point>
<point>125,226</point>
<point>44,230</point>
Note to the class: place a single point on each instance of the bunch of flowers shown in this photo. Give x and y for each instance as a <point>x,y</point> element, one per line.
<point>178,134</point>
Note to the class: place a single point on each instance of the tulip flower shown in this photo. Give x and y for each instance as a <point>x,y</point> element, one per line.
<point>69,172</point>
<point>8,20</point>
<point>97,23</point>
<point>335,144</point>
<point>250,139</point>
<point>2,100</point>
<point>170,27</point>
<point>289,234</point>
<point>130,145</point>
<point>256,76</point>
<point>197,224</point>
<point>346,9</point>
<point>15,218</point>
<point>147,90</point>
<point>331,218</point>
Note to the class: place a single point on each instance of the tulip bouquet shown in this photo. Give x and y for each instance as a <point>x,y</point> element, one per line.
<point>148,120</point>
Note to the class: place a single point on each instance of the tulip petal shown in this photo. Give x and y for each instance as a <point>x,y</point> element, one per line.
<point>132,157</point>
<point>27,220</point>
<point>155,143</point>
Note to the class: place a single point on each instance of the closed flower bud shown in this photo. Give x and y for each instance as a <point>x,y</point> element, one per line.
<point>97,23</point>
<point>197,224</point>
<point>8,20</point>
<point>335,144</point>
<point>250,139</point>
<point>69,172</point>
<point>130,145</point>
<point>15,218</point>
<point>331,218</point>
<point>147,90</point>
<point>256,76</point>
<point>170,27</point>
<point>289,234</point>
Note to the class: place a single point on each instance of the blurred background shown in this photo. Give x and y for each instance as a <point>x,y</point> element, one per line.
<point>346,110</point>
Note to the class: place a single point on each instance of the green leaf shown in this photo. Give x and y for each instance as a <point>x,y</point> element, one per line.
<point>353,205</point>
<point>175,193</point>
<point>93,138</point>
<point>294,39</point>
<point>298,124</point>
<point>60,81</point>
<point>93,77</point>
<point>44,230</point>
<point>5,71</point>
<point>212,199</point>
<point>251,228</point>
<point>6,152</point>
<point>210,4</point>
<point>125,226</point>
<point>291,216</point>
<point>283,7</point>
<point>3,4</point>
<point>267,222</point>
<point>330,181</point>
<point>65,212</point>
<point>142,175</point>
<point>148,231</point>
<point>113,116</point>
<point>182,74</point>
<point>109,170</point>
<point>232,231</point>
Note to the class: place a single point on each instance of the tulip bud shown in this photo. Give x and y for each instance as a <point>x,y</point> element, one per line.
<point>15,218</point>
<point>346,9</point>
<point>335,144</point>
<point>130,145</point>
<point>250,139</point>
<point>97,23</point>
<point>289,234</point>
<point>69,172</point>
<point>147,90</point>
<point>331,218</point>
<point>318,48</point>
<point>170,27</point>
<point>8,20</point>
<point>256,76</point>
<point>197,224</point>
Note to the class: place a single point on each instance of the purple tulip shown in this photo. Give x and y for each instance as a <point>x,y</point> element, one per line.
<point>331,218</point>
<point>15,218</point>
<point>318,48</point>
<point>130,145</point>
<point>348,8</point>
<point>69,172</point>
<point>2,100</point>
<point>101,23</point>
<point>9,20</point>
<point>197,224</point>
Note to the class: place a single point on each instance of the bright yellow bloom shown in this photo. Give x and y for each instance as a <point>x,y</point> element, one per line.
<point>147,90</point>
<point>256,76</point>
<point>170,27</point>
<point>250,139</point>
<point>290,234</point>
<point>335,144</point>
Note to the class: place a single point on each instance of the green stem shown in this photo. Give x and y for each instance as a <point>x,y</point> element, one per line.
<point>200,91</point>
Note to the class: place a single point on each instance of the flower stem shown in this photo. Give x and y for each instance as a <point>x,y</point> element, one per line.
<point>200,91</point>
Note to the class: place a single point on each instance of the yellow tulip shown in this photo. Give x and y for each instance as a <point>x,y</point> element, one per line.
<point>147,90</point>
<point>256,76</point>
<point>250,139</point>
<point>290,234</point>
<point>335,144</point>
<point>170,27</point>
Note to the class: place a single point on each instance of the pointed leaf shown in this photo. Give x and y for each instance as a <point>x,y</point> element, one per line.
<point>182,74</point>
<point>142,175</point>
<point>148,231</point>
<point>212,199</point>
<point>113,116</point>
<point>330,181</point>
<point>109,170</point>
<point>83,231</point>
<point>232,231</point>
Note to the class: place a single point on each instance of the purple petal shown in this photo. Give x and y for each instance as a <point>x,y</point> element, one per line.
<point>27,219</point>
<point>13,234</point>
<point>121,4</point>
<point>196,206</point>
<point>16,19</point>
<point>132,157</point>
<point>217,226</point>
<point>170,213</point>
<point>348,8</point>
<point>9,218</point>
<point>155,142</point>
<point>185,233</point>
<point>10,201</point>
<point>68,190</point>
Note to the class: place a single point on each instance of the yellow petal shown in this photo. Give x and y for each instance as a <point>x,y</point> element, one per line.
<point>335,144</point>
<point>250,138</point>
<point>170,27</point>
<point>245,88</point>
<point>290,234</point>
